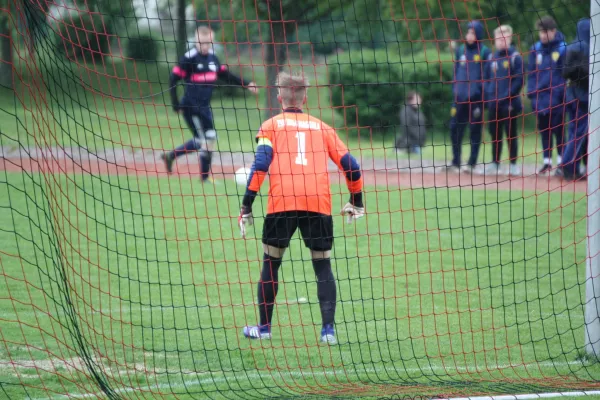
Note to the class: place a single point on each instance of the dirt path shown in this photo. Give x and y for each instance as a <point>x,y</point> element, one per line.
<point>382,172</point>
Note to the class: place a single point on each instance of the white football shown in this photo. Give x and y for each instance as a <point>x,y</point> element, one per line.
<point>242,175</point>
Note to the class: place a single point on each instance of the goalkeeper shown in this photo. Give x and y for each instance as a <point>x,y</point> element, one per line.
<point>294,148</point>
<point>200,69</point>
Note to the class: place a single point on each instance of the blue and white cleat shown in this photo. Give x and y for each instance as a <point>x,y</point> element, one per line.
<point>257,332</point>
<point>328,335</point>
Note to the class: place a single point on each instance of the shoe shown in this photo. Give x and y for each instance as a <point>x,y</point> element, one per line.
<point>467,169</point>
<point>168,159</point>
<point>453,169</point>
<point>209,180</point>
<point>328,335</point>
<point>545,169</point>
<point>560,173</point>
<point>514,170</point>
<point>492,169</point>
<point>257,332</point>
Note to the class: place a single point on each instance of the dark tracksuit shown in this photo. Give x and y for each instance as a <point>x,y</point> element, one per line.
<point>469,74</point>
<point>199,73</point>
<point>503,100</point>
<point>576,71</point>
<point>546,89</point>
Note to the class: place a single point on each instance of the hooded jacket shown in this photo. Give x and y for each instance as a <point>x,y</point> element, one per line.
<point>576,68</point>
<point>545,83</point>
<point>504,79</point>
<point>469,70</point>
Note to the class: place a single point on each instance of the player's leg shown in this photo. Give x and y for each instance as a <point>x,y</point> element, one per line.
<point>210,138</point>
<point>192,145</point>
<point>576,146</point>
<point>317,233</point>
<point>568,165</point>
<point>495,128</point>
<point>557,121</point>
<point>476,125</point>
<point>513,142</point>
<point>278,230</point>
<point>458,124</point>
<point>543,124</point>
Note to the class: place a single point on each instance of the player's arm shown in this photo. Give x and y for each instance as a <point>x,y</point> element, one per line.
<point>338,152</point>
<point>179,72</point>
<point>532,74</point>
<point>232,79</point>
<point>259,171</point>
<point>516,81</point>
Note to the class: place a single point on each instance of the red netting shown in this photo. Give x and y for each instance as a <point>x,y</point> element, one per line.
<point>466,277</point>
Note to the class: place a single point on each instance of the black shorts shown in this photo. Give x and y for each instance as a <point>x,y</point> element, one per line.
<point>316,229</point>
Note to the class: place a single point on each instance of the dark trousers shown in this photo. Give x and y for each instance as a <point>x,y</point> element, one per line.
<point>466,114</point>
<point>550,126</point>
<point>502,121</point>
<point>576,147</point>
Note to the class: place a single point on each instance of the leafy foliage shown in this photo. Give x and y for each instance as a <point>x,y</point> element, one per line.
<point>83,36</point>
<point>142,47</point>
<point>376,82</point>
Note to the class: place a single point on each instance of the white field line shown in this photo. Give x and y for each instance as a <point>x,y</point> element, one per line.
<point>300,374</point>
<point>532,396</point>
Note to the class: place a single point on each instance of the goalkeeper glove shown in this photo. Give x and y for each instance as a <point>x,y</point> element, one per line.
<point>354,209</point>
<point>245,220</point>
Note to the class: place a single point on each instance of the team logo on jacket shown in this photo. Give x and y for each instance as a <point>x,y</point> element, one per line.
<point>555,56</point>
<point>463,59</point>
<point>505,64</point>
<point>477,113</point>
<point>477,58</point>
<point>212,66</point>
<point>200,66</point>
<point>540,58</point>
<point>494,66</point>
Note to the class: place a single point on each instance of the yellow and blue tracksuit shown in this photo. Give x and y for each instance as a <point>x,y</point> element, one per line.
<point>469,75</point>
<point>546,90</point>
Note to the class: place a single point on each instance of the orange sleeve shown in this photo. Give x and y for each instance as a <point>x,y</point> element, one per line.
<point>339,154</point>
<point>336,148</point>
<point>265,131</point>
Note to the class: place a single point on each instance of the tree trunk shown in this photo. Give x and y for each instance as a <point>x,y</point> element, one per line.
<point>6,53</point>
<point>276,57</point>
<point>181,33</point>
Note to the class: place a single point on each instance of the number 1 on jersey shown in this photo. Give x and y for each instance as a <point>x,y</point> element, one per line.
<point>301,157</point>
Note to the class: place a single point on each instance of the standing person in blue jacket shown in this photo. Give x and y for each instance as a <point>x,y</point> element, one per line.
<point>546,87</point>
<point>199,68</point>
<point>467,89</point>
<point>576,72</point>
<point>503,99</point>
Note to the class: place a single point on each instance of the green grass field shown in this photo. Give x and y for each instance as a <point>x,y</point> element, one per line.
<point>440,291</point>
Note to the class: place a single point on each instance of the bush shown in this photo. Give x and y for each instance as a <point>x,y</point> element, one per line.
<point>142,47</point>
<point>375,81</point>
<point>83,36</point>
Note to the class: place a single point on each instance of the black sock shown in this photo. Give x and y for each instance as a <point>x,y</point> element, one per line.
<point>205,161</point>
<point>326,289</point>
<point>267,288</point>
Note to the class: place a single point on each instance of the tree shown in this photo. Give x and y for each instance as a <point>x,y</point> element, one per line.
<point>181,35</point>
<point>6,51</point>
<point>284,17</point>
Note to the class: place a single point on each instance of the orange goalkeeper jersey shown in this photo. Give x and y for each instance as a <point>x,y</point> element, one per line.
<point>298,175</point>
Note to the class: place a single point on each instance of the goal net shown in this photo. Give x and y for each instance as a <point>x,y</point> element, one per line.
<point>466,277</point>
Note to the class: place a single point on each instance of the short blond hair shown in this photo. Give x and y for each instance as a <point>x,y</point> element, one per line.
<point>292,88</point>
<point>504,30</point>
<point>203,31</point>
